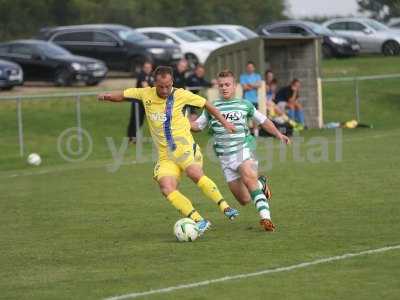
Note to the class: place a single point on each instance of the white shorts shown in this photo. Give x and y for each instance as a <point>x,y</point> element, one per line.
<point>230,163</point>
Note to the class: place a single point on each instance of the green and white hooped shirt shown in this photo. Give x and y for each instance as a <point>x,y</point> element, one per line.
<point>238,112</point>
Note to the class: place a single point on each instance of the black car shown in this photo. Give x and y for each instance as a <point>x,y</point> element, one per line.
<point>120,47</point>
<point>10,75</point>
<point>45,61</point>
<point>333,45</point>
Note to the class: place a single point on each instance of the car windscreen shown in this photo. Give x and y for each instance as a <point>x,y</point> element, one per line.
<point>376,25</point>
<point>318,29</point>
<point>131,35</point>
<point>246,32</point>
<point>187,36</point>
<point>230,34</point>
<point>52,50</point>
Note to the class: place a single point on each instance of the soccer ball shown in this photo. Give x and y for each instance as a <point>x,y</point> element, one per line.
<point>186,230</point>
<point>34,159</point>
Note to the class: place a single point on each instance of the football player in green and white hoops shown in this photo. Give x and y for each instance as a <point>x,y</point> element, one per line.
<point>235,150</point>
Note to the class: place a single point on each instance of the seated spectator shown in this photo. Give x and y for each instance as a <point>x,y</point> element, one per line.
<point>144,79</point>
<point>268,77</point>
<point>197,81</point>
<point>180,73</point>
<point>277,115</point>
<point>287,98</point>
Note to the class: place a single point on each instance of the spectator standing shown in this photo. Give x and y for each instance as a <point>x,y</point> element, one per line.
<point>144,79</point>
<point>180,73</point>
<point>195,83</point>
<point>197,80</point>
<point>250,82</point>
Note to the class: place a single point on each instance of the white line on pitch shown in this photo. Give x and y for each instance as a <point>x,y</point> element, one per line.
<point>246,275</point>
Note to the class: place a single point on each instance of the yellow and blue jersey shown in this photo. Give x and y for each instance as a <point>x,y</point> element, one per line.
<point>169,127</point>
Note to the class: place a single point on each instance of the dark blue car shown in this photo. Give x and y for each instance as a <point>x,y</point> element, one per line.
<point>10,75</point>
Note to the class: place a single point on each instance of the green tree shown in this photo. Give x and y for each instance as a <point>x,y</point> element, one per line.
<point>24,18</point>
<point>380,9</point>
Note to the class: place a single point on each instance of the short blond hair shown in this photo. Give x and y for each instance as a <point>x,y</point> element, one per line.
<point>226,73</point>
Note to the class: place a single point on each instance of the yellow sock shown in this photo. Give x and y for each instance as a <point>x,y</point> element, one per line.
<point>210,189</point>
<point>183,204</point>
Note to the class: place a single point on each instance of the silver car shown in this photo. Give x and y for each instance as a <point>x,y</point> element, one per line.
<point>373,36</point>
<point>222,33</point>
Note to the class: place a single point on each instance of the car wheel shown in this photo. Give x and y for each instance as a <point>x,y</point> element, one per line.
<point>391,48</point>
<point>192,60</point>
<point>62,78</point>
<point>7,88</point>
<point>136,65</point>
<point>327,51</point>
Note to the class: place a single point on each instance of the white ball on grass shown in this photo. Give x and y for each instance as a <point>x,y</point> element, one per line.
<point>34,159</point>
<point>186,230</point>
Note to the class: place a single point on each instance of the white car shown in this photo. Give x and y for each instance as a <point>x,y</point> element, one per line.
<point>224,34</point>
<point>195,49</point>
<point>373,36</point>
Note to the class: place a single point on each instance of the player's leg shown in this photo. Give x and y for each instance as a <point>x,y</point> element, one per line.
<point>240,191</point>
<point>264,186</point>
<point>248,172</point>
<point>210,189</point>
<point>167,174</point>
<point>192,162</point>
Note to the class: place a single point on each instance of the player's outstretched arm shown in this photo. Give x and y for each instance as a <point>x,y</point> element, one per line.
<point>113,97</point>
<point>271,128</point>
<point>212,110</point>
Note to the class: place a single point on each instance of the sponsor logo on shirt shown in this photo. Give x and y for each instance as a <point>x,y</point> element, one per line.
<point>233,116</point>
<point>158,116</point>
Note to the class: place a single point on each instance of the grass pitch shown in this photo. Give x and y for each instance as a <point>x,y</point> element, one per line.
<point>79,231</point>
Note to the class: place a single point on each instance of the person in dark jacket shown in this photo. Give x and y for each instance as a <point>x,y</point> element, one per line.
<point>144,79</point>
<point>180,73</point>
<point>197,80</point>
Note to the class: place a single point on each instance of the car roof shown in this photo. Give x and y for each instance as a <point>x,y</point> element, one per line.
<point>110,27</point>
<point>288,22</point>
<point>26,41</point>
<point>348,19</point>
<point>163,29</point>
<point>215,26</point>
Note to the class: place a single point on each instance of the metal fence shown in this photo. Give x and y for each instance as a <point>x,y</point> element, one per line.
<point>77,98</point>
<point>356,81</point>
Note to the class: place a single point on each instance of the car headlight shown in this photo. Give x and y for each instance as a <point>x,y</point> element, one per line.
<point>338,40</point>
<point>157,51</point>
<point>78,66</point>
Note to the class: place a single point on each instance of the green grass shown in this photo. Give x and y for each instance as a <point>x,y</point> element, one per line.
<point>81,232</point>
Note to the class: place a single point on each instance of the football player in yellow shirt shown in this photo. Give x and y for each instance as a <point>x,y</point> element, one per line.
<point>177,151</point>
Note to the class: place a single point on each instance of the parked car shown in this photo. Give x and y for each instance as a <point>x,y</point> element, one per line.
<point>394,23</point>
<point>332,44</point>
<point>373,36</point>
<point>120,47</point>
<point>45,61</point>
<point>224,34</point>
<point>11,75</point>
<point>194,49</point>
